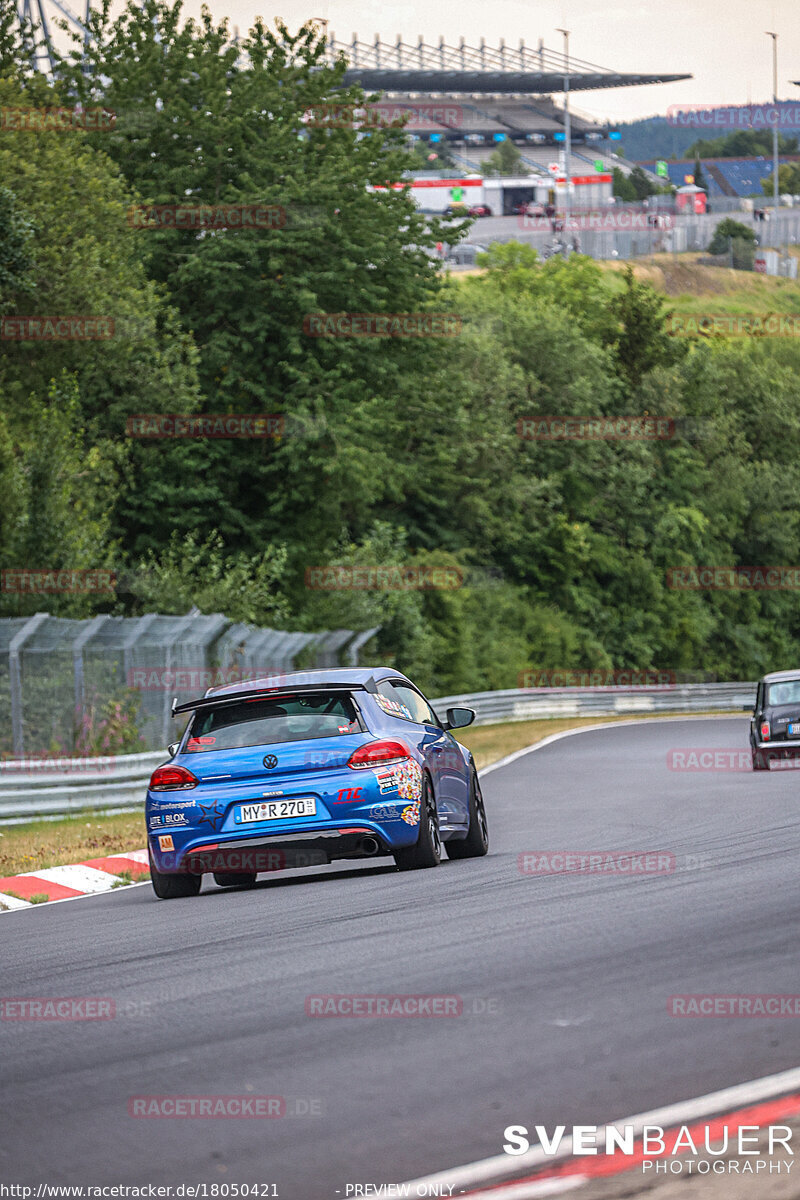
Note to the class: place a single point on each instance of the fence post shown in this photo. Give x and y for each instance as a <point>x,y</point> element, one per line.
<point>15,679</point>
<point>77,659</point>
<point>360,639</point>
<point>137,626</point>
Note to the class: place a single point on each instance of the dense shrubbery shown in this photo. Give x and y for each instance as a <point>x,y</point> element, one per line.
<point>400,452</point>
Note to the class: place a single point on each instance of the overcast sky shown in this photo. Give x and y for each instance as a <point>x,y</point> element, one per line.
<point>722,44</point>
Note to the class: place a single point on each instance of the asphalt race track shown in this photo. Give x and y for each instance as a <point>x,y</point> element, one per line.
<point>564,981</point>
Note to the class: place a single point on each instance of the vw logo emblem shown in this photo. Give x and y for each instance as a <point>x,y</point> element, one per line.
<point>270,761</point>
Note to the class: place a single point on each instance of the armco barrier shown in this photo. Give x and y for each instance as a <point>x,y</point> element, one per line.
<point>112,783</point>
<point>531,704</point>
<point>121,782</point>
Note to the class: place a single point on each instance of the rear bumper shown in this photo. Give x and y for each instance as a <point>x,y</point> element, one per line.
<point>277,852</point>
<point>788,744</point>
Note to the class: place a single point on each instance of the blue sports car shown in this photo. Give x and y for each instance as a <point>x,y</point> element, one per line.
<point>313,766</point>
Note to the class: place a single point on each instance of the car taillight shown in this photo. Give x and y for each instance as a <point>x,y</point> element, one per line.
<point>378,754</point>
<point>172,779</point>
<point>765,731</point>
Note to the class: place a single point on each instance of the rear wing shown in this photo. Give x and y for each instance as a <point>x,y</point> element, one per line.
<point>255,693</point>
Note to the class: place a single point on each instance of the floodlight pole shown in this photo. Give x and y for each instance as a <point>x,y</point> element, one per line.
<point>567,141</point>
<point>775,196</point>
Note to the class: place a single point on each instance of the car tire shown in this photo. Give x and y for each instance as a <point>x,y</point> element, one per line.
<point>476,843</point>
<point>760,761</point>
<point>173,886</point>
<point>427,850</point>
<point>244,879</point>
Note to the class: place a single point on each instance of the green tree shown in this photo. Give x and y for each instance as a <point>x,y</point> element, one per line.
<point>57,492</point>
<point>788,179</point>
<point>622,186</point>
<point>642,342</point>
<point>699,177</point>
<point>229,125</point>
<point>642,186</point>
<point>745,143</point>
<point>504,160</point>
<point>432,157</point>
<point>738,241</point>
<point>16,233</point>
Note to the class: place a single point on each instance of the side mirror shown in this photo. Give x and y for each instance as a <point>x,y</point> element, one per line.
<point>172,749</point>
<point>458,718</point>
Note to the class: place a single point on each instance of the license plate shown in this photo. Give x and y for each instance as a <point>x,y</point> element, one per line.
<point>274,810</point>
<point>794,729</point>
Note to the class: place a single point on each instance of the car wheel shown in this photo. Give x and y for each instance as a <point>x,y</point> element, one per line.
<point>235,879</point>
<point>173,886</point>
<point>760,761</point>
<point>427,852</point>
<point>476,843</point>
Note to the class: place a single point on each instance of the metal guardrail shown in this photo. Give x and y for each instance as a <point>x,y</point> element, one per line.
<point>27,791</point>
<point>531,704</point>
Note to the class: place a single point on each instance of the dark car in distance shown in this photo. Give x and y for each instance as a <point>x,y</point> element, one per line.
<point>775,723</point>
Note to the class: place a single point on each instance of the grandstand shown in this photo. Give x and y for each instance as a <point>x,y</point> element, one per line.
<point>726,176</point>
<point>490,95</point>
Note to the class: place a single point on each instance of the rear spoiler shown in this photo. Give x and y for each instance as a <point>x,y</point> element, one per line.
<point>255,693</point>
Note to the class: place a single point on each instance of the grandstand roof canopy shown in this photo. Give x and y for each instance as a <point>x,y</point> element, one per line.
<point>401,66</point>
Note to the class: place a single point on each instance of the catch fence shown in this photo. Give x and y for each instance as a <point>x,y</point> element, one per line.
<point>105,685</point>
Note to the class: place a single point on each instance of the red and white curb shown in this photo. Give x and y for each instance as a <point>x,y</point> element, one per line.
<point>66,883</point>
<point>757,1103</point>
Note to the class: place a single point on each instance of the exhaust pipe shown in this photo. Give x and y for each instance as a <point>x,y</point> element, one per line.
<point>368,846</point>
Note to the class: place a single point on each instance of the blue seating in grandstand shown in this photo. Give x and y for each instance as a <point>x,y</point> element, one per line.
<point>743,174</point>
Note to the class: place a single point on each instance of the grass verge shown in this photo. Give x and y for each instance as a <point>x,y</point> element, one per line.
<point>40,844</point>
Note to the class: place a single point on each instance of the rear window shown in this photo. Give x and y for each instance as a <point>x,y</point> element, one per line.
<point>265,722</point>
<point>787,692</point>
